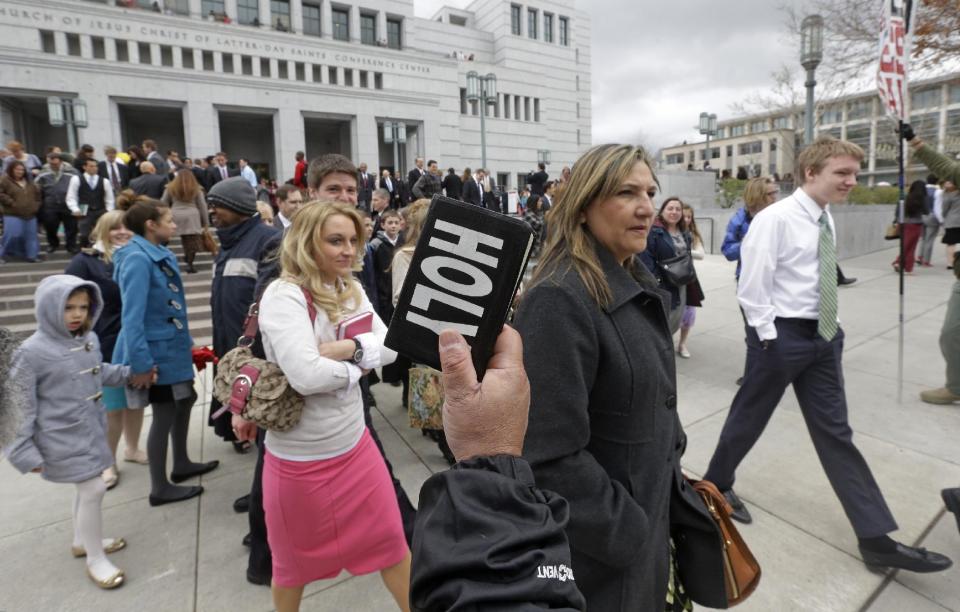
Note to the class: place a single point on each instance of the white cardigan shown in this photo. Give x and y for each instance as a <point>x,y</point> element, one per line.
<point>332,421</point>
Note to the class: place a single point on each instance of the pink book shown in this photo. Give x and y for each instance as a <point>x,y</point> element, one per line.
<point>355,325</point>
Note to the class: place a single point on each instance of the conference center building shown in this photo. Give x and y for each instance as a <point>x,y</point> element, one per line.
<point>263,79</point>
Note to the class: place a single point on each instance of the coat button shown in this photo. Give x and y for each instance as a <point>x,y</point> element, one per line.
<point>173,287</point>
<point>671,402</point>
<point>176,305</point>
<point>167,271</point>
<point>177,323</point>
<point>88,346</point>
<point>95,370</point>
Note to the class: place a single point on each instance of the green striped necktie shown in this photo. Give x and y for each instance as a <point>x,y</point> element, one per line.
<point>827,325</point>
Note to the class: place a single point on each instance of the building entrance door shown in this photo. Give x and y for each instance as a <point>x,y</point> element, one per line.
<point>162,124</point>
<point>25,118</point>
<point>327,135</point>
<point>251,136</point>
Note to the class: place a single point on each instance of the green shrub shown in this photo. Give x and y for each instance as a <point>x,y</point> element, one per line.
<point>731,190</point>
<point>862,194</point>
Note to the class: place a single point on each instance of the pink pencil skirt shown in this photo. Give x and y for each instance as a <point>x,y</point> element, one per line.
<point>330,515</point>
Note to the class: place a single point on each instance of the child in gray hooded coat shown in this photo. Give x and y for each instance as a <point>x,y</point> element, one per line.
<point>63,432</point>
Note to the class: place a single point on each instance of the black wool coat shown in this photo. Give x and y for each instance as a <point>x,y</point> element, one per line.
<point>603,429</point>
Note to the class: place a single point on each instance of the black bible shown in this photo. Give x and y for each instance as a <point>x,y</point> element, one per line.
<point>466,268</point>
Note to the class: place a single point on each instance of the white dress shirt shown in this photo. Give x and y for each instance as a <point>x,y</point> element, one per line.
<point>250,175</point>
<point>74,188</point>
<point>284,222</point>
<point>781,266</point>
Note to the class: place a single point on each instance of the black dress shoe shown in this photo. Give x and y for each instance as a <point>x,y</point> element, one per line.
<point>242,504</point>
<point>740,512</point>
<point>246,540</point>
<point>951,497</point>
<point>258,579</point>
<point>849,280</point>
<point>190,493</point>
<point>200,470</point>
<point>906,558</point>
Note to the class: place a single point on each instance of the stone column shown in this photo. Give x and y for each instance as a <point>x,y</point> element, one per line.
<point>230,8</point>
<point>354,23</point>
<point>326,20</point>
<point>86,47</point>
<point>264,15</point>
<point>290,138</point>
<point>201,126</point>
<point>367,149</point>
<point>381,26</point>
<point>110,48</point>
<point>196,8</point>
<point>155,54</point>
<point>60,42</point>
<point>296,16</point>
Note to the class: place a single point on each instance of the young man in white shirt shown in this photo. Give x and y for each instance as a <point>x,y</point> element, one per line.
<point>788,291</point>
<point>89,196</point>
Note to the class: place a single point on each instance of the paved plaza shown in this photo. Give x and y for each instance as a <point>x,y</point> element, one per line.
<point>188,556</point>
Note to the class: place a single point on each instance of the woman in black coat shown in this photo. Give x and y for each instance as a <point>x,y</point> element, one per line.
<point>603,409</point>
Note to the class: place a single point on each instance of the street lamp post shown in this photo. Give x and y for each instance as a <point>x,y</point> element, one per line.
<point>482,89</point>
<point>70,113</point>
<point>395,133</point>
<point>811,54</point>
<point>708,127</point>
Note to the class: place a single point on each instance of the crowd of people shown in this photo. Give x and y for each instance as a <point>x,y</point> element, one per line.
<point>586,468</point>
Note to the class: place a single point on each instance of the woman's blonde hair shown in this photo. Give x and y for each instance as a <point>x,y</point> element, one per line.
<point>755,193</point>
<point>101,231</point>
<point>300,251</point>
<point>413,216</point>
<point>596,176</point>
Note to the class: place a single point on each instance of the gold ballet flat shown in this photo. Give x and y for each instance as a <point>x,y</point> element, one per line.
<point>112,547</point>
<point>110,583</point>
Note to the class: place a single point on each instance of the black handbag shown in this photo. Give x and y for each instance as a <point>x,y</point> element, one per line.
<point>678,271</point>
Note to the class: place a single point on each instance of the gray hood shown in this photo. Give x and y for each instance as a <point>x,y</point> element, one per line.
<point>50,300</point>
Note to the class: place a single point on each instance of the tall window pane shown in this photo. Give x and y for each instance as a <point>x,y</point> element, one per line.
<point>564,31</point>
<point>248,12</point>
<point>280,13</point>
<point>547,27</point>
<point>515,19</point>
<point>341,24</point>
<point>394,32</point>
<point>532,23</point>
<point>311,20</point>
<point>211,6</point>
<point>368,29</point>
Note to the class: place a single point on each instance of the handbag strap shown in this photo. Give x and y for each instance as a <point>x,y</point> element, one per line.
<point>251,325</point>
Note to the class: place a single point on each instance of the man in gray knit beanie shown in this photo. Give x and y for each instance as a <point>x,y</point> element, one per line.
<point>235,195</point>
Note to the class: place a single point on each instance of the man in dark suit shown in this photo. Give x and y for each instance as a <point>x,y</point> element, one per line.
<point>452,185</point>
<point>414,175</point>
<point>199,169</point>
<point>154,157</point>
<point>149,183</point>
<point>113,171</point>
<point>491,195</point>
<point>392,186</point>
<point>366,183</point>
<point>537,180</point>
<point>219,171</point>
<point>473,190</point>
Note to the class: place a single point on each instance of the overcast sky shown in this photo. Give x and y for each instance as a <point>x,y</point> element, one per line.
<point>657,64</point>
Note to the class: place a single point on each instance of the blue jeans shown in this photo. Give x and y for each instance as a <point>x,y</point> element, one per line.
<point>19,238</point>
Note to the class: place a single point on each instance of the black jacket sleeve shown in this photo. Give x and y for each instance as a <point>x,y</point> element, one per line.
<point>488,540</point>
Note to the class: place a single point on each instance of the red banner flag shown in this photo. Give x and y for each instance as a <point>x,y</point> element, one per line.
<point>895,44</point>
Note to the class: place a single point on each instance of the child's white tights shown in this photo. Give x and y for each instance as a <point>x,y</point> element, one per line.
<point>88,526</point>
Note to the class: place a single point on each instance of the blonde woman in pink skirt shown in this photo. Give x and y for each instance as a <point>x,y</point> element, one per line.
<point>329,501</point>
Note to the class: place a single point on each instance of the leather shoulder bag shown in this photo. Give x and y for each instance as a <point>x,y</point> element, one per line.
<point>254,388</point>
<point>678,271</point>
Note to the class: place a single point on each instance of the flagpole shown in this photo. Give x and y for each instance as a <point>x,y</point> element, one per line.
<point>901,259</point>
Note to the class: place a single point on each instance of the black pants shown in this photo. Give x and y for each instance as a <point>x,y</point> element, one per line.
<point>52,218</point>
<point>260,562</point>
<point>799,356</point>
<point>86,224</point>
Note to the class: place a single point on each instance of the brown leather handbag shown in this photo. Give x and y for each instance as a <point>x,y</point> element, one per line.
<point>741,572</point>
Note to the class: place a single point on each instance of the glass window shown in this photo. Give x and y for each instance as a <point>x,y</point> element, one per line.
<point>738,130</point>
<point>348,77</point>
<point>859,109</point>
<point>228,63</point>
<point>463,100</point>
<point>721,132</point>
<point>675,158</point>
<point>186,56</point>
<point>860,134</point>
<point>280,13</point>
<point>311,19</point>
<point>378,80</point>
<point>143,50</point>
<point>781,123</point>
<point>178,7</point>
<point>773,144</point>
<point>282,69</point>
<point>951,144</point>
<point>99,49</point>
<point>758,126</point>
<point>394,33</point>
<point>750,148</point>
<point>208,61</point>
<point>955,93</point>
<point>212,6</point>
<point>341,24</point>
<point>729,150</point>
<point>564,31</point>
<point>264,67</point>
<point>926,98</point>
<point>536,109</point>
<point>332,75</point>
<point>317,73</point>
<point>166,55</point>
<point>368,29</point>
<point>73,44</point>
<point>246,64</point>
<point>248,12</point>
<point>547,27</point>
<point>927,127</point>
<point>832,114</point>
<point>506,106</point>
<point>532,23</point>
<point>48,43</point>
<point>301,71</point>
<point>364,79</point>
<point>515,19</point>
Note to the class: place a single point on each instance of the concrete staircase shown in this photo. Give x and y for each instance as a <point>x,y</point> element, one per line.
<point>18,282</point>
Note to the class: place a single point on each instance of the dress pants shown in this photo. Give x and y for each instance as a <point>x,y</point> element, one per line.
<point>799,356</point>
<point>86,224</point>
<point>52,218</point>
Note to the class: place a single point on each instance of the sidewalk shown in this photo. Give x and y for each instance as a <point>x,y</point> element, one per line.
<point>188,556</point>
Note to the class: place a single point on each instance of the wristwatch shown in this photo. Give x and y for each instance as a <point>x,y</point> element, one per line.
<point>357,353</point>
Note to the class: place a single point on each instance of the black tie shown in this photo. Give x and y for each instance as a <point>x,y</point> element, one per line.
<point>113,178</point>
